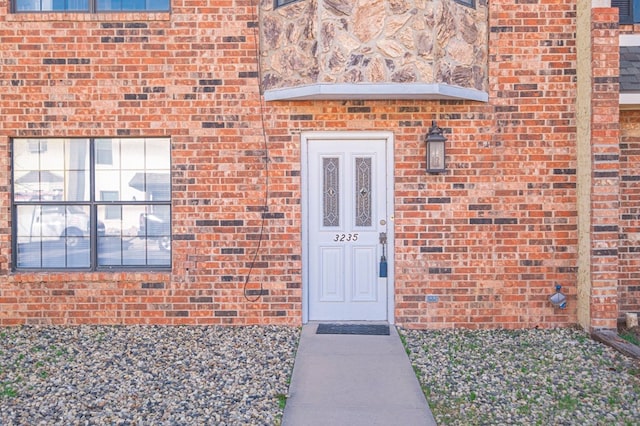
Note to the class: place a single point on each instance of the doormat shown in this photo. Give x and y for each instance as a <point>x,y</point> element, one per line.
<point>355,329</point>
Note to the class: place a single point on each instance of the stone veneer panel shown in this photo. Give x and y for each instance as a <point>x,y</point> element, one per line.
<point>372,41</point>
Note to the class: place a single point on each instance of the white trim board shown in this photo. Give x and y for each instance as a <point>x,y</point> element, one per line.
<point>629,100</point>
<point>629,40</point>
<point>376,91</point>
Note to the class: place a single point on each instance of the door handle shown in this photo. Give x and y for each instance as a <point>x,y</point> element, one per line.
<point>383,238</point>
<point>382,273</point>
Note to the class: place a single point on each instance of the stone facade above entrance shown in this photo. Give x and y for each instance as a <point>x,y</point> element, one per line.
<point>368,41</point>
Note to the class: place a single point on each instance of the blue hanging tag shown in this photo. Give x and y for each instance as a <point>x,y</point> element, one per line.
<point>383,267</point>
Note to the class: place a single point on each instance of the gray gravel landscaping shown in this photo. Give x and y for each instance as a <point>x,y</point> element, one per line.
<point>525,377</point>
<point>166,375</point>
<point>145,375</point>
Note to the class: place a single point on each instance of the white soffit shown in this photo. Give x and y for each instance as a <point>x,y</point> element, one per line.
<point>376,91</point>
<point>629,39</point>
<point>629,100</point>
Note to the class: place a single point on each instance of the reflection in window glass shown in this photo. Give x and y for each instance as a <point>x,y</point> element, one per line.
<point>111,212</point>
<point>157,155</point>
<point>58,224</point>
<point>132,153</point>
<point>140,170</point>
<point>53,236</point>
<point>127,5</point>
<point>104,152</point>
<point>125,244</point>
<point>51,5</point>
<point>27,5</point>
<point>134,5</point>
<point>157,4</point>
<point>84,5</point>
<point>59,172</point>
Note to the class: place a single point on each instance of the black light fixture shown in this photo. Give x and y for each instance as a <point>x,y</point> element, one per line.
<point>435,149</point>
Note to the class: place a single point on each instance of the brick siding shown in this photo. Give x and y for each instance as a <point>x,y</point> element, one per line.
<point>629,249</point>
<point>605,159</point>
<point>491,237</point>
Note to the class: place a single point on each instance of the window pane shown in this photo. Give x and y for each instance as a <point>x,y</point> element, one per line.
<point>52,233</point>
<point>133,5</point>
<point>29,255</point>
<point>52,158</point>
<point>157,185</point>
<point>138,239</point>
<point>155,229</point>
<point>157,4</point>
<point>109,5</point>
<point>77,5</point>
<point>51,170</point>
<point>109,251</point>
<point>157,223</point>
<point>158,155</point>
<point>108,181</point>
<point>154,181</point>
<point>54,236</point>
<point>27,223</point>
<point>50,220</point>
<point>157,256</point>
<point>77,186</point>
<point>126,225</point>
<point>51,5</point>
<point>27,5</point>
<point>111,212</point>
<point>36,185</point>
<point>132,153</point>
<point>104,152</point>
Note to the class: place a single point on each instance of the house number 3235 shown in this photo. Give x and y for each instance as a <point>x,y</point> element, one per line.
<point>345,237</point>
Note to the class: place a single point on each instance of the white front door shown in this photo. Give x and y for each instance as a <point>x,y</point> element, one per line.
<point>346,198</point>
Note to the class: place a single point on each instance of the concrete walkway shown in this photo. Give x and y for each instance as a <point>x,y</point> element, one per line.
<point>354,380</point>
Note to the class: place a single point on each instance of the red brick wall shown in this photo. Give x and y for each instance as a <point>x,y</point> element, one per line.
<point>605,159</point>
<point>629,288</point>
<point>190,75</point>
<point>491,237</point>
<point>501,229</point>
<point>629,249</point>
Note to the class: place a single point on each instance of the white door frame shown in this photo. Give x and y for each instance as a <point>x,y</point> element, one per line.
<point>317,137</point>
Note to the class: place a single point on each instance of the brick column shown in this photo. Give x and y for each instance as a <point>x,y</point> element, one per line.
<point>605,169</point>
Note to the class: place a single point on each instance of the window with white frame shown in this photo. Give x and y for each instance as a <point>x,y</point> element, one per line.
<point>89,5</point>
<point>71,211</point>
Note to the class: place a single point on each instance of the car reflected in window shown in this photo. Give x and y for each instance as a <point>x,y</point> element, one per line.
<point>92,203</point>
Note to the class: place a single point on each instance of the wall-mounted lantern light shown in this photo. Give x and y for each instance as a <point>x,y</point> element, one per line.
<point>435,149</point>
